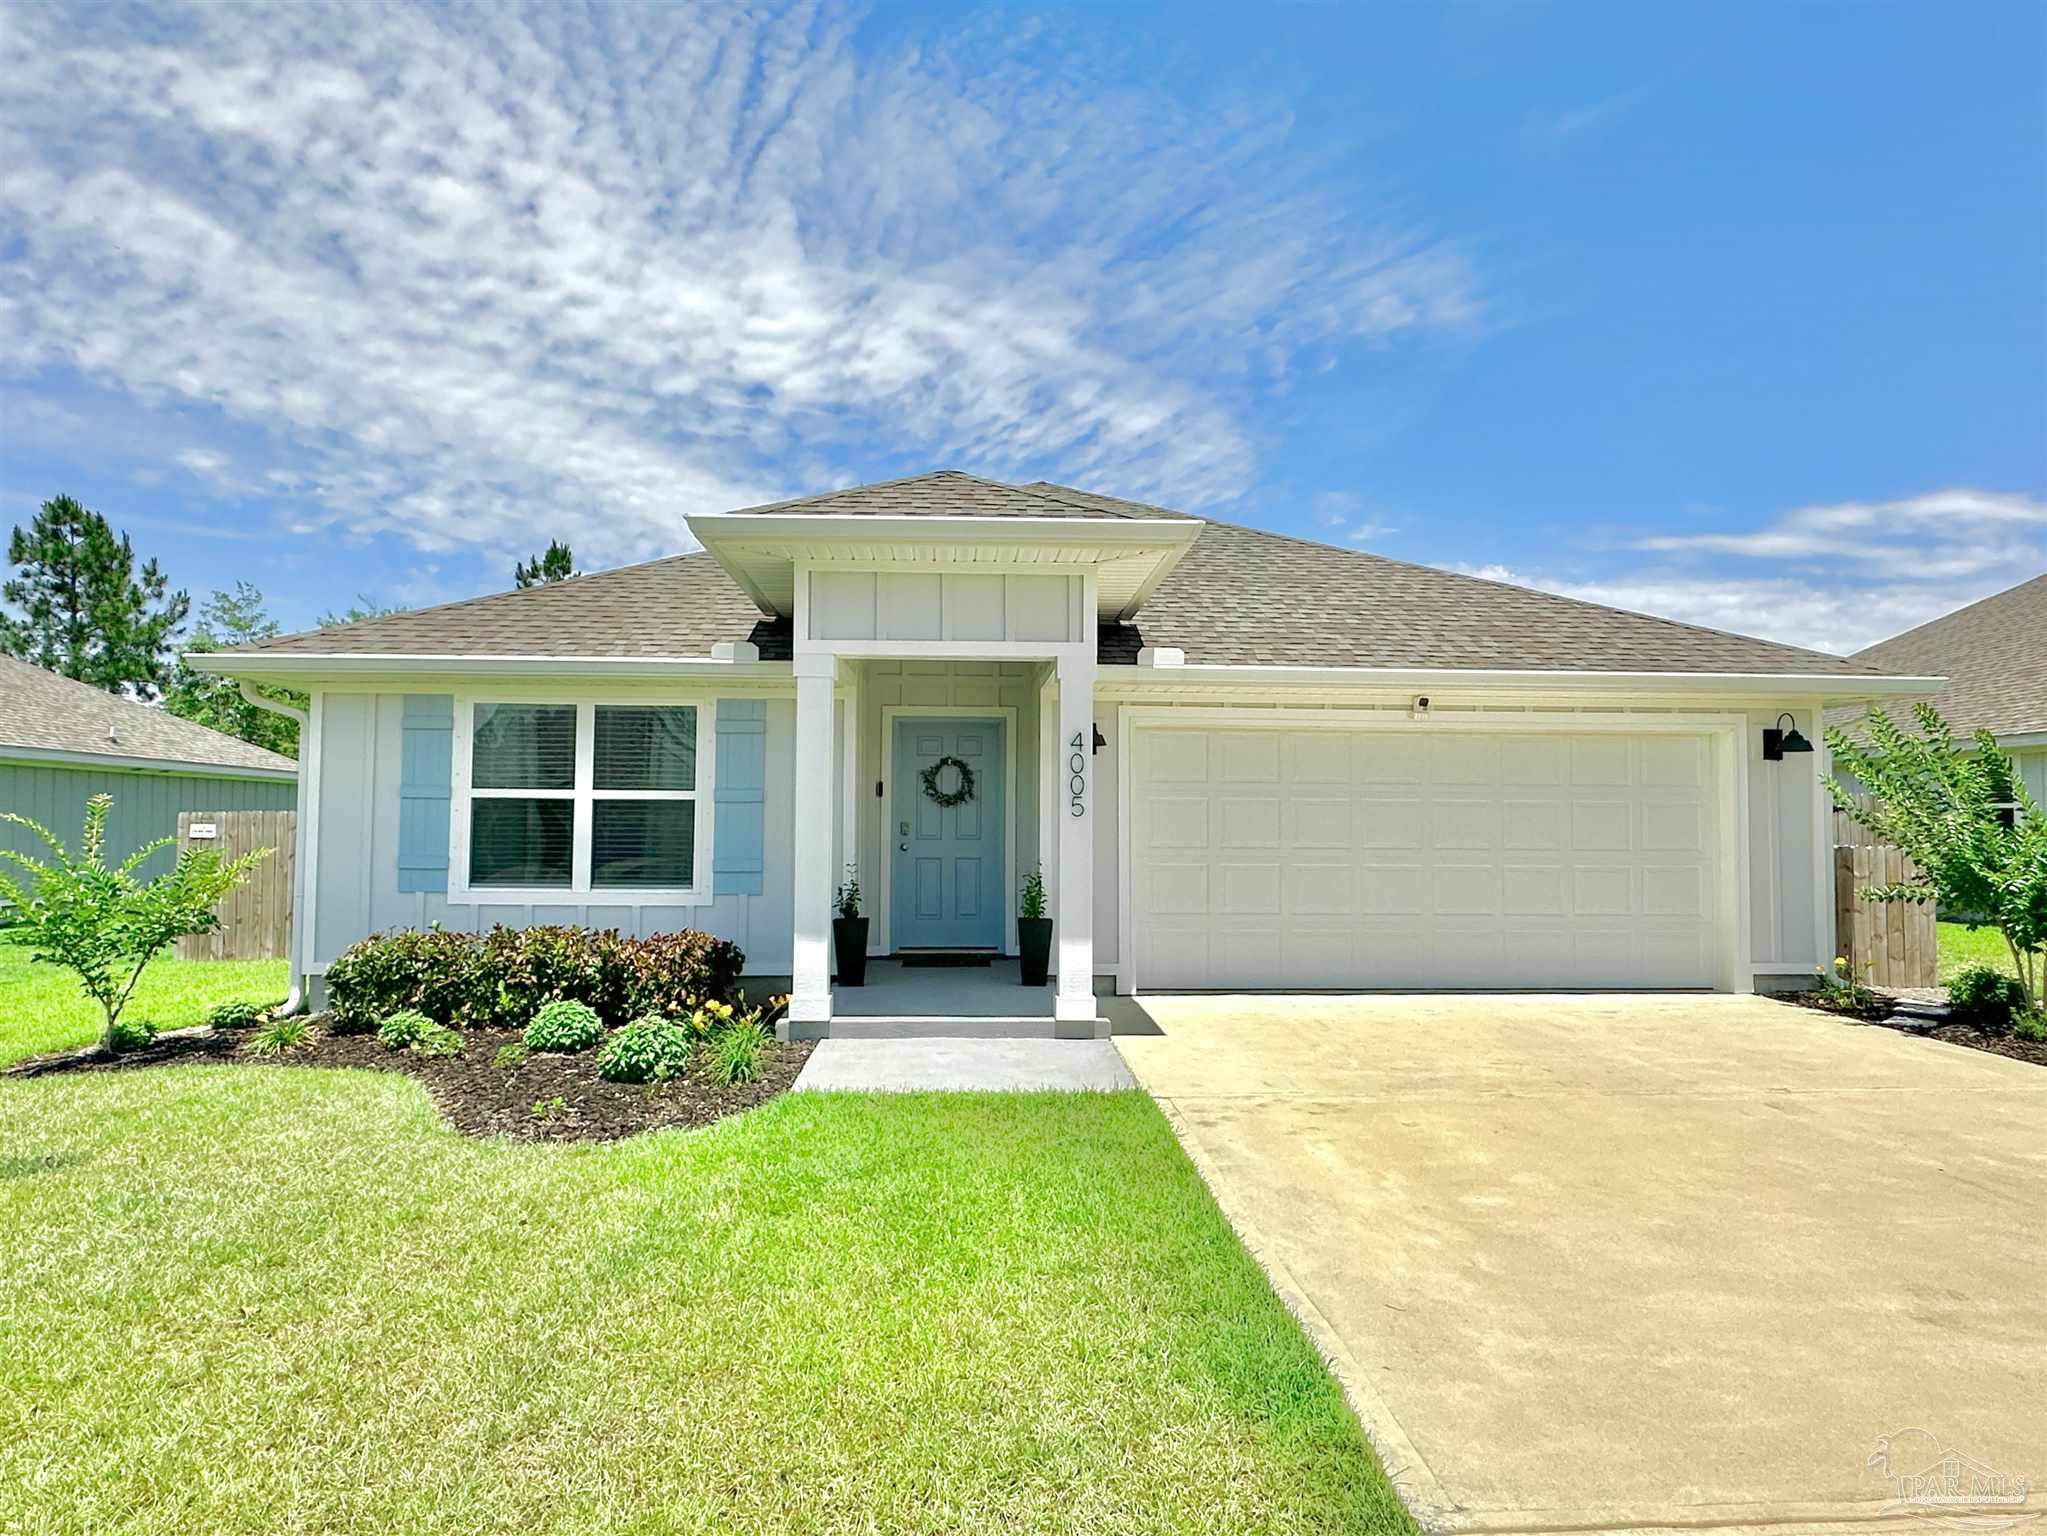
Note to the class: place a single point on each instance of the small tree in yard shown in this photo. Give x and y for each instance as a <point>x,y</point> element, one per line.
<point>103,923</point>
<point>1947,811</point>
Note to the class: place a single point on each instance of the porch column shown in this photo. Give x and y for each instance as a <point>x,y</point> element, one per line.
<point>1073,797</point>
<point>810,989</point>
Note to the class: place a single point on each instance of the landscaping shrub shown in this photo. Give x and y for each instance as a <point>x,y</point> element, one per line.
<point>649,1050</point>
<point>510,1057</point>
<point>1984,999</point>
<point>2032,1029</point>
<point>564,1026</point>
<point>236,1013</point>
<point>128,1035</point>
<point>737,1049</point>
<point>503,978</point>
<point>437,1040</point>
<point>280,1035</point>
<point>402,1028</point>
<point>430,969</point>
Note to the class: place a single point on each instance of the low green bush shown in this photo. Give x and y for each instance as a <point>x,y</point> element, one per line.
<point>737,1051</point>
<point>236,1013</point>
<point>129,1034</point>
<point>649,1050</point>
<point>565,1027</point>
<point>2032,1029</point>
<point>438,1040</point>
<point>1984,999</point>
<point>500,979</point>
<point>403,1028</point>
<point>510,1056</point>
<point>281,1036</point>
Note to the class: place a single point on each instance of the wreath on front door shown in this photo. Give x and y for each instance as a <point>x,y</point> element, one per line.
<point>959,796</point>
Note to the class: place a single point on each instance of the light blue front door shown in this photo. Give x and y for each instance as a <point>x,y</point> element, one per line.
<point>948,889</point>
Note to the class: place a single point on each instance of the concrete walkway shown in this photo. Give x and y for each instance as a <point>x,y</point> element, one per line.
<point>1610,1263</point>
<point>906,1066</point>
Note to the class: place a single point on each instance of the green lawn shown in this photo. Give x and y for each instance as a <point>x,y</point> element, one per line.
<point>1959,947</point>
<point>250,1299</point>
<point>42,1008</point>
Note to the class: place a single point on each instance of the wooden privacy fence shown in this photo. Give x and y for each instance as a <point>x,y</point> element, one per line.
<point>256,915</point>
<point>1886,943</point>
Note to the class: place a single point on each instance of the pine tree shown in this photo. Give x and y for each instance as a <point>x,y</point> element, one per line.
<point>229,619</point>
<point>83,609</point>
<point>556,565</point>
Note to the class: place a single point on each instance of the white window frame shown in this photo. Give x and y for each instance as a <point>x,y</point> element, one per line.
<point>579,891</point>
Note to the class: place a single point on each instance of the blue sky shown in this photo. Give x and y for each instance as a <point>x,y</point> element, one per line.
<point>1734,314</point>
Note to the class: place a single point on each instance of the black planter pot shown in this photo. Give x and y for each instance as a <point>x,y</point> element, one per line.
<point>849,948</point>
<point>1034,948</point>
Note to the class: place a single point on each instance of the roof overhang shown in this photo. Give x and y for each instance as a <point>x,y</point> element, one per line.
<point>1820,688</point>
<point>298,668</point>
<point>1130,556</point>
<point>183,767</point>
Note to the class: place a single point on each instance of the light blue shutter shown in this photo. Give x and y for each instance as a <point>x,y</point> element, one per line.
<point>736,864</point>
<point>425,776</point>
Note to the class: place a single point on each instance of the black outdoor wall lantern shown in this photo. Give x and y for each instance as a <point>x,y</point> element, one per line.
<point>1777,741</point>
<point>1101,741</point>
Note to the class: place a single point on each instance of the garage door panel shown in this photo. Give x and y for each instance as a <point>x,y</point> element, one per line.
<point>1391,824</point>
<point>1249,823</point>
<point>1248,890</point>
<point>1602,826</point>
<point>1471,823</point>
<point>1333,858</point>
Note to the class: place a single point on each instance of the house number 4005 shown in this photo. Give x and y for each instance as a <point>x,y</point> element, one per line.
<point>1076,776</point>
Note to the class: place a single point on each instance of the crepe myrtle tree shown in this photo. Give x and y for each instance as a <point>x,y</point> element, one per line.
<point>103,923</point>
<point>1964,817</point>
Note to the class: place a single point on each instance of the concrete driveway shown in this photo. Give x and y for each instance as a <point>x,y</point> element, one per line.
<point>1607,1263</point>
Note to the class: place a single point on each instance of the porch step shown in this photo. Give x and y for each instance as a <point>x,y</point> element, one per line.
<point>962,1027</point>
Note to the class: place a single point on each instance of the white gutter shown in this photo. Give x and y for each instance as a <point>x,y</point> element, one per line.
<point>1845,689</point>
<point>296,998</point>
<point>263,664</point>
<point>182,767</point>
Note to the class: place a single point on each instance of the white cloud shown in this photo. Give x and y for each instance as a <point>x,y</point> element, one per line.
<point>1340,514</point>
<point>470,275</point>
<point>1835,578</point>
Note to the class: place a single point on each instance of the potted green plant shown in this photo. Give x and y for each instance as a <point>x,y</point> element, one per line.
<point>1033,930</point>
<point>849,931</point>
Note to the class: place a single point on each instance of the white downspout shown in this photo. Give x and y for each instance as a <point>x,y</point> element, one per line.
<point>296,998</point>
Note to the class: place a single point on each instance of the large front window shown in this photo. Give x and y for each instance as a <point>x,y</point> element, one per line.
<point>582,798</point>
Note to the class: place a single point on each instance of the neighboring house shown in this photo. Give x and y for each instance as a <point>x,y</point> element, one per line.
<point>62,742</point>
<point>1994,657</point>
<point>1244,760</point>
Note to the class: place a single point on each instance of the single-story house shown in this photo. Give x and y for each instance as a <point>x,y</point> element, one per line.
<point>1243,760</point>
<point>1994,656</point>
<point>62,742</point>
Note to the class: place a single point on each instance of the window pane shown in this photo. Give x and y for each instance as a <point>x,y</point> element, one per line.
<point>524,746</point>
<point>647,748</point>
<point>521,842</point>
<point>643,842</point>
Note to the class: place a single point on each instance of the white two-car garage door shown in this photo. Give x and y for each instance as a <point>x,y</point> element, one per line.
<point>1430,857</point>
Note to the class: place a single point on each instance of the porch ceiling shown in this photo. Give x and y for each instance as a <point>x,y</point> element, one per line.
<point>1129,557</point>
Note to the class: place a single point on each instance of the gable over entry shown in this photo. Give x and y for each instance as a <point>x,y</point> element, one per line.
<point>946,567</point>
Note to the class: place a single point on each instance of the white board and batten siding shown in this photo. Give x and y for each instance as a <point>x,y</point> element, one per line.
<point>897,606</point>
<point>357,881</point>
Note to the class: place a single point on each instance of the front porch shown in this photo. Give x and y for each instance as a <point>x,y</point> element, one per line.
<point>903,1001</point>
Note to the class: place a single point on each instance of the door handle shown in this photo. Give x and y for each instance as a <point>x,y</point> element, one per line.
<point>905,847</point>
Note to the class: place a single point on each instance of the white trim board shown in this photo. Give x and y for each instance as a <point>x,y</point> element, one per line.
<point>890,713</point>
<point>1731,770</point>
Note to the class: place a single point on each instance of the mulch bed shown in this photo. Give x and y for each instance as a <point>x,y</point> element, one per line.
<point>1953,1034</point>
<point>543,1098</point>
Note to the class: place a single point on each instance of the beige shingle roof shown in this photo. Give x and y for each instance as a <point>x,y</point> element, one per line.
<point>1243,597</point>
<point>679,606</point>
<point>1993,654</point>
<point>45,712</point>
<point>954,493</point>
<point>1240,596</point>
